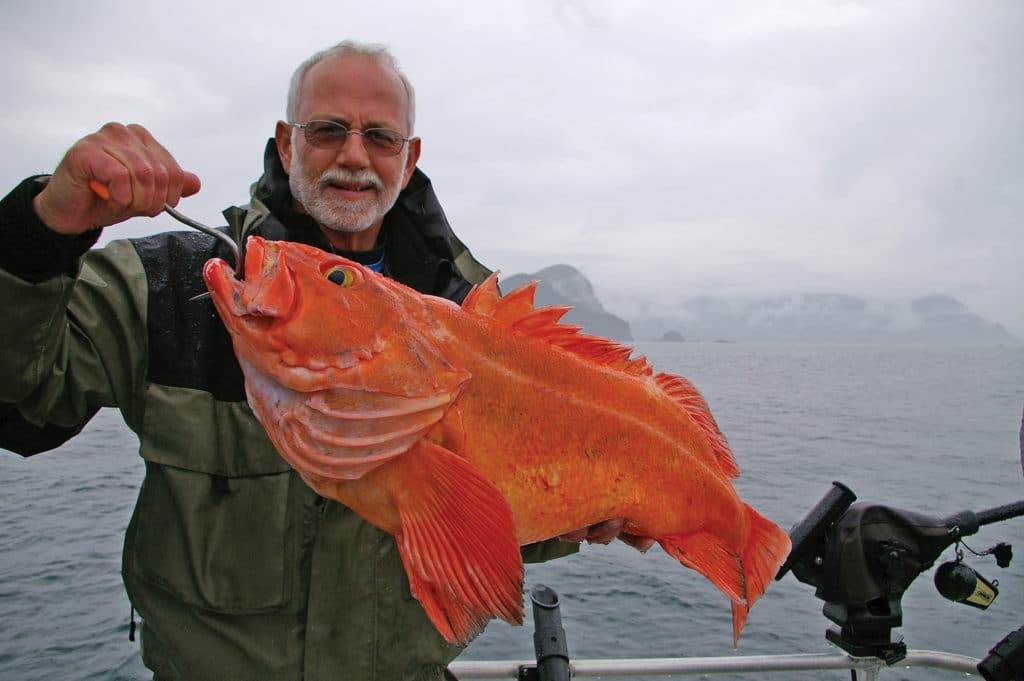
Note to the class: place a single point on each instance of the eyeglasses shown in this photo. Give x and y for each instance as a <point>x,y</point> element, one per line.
<point>331,135</point>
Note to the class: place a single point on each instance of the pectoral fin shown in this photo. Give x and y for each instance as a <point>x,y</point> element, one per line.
<point>458,543</point>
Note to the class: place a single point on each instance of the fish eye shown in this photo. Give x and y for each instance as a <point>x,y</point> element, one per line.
<point>342,276</point>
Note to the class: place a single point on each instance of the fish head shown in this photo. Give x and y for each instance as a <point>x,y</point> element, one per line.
<point>312,320</point>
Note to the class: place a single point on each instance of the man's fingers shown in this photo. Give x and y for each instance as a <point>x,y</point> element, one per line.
<point>190,184</point>
<point>601,533</point>
<point>138,173</point>
<point>135,168</point>
<point>575,537</point>
<point>641,544</point>
<point>159,174</point>
<point>606,531</point>
<point>116,173</point>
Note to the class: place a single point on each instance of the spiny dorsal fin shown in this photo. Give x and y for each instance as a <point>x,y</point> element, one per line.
<point>687,396</point>
<point>483,297</point>
<point>516,304</point>
<point>516,310</point>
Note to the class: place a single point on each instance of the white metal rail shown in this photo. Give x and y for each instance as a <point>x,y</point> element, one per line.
<point>673,666</point>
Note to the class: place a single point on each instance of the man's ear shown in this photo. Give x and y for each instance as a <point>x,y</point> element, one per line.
<point>411,160</point>
<point>283,138</point>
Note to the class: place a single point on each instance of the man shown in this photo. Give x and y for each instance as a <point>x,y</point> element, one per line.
<point>238,570</point>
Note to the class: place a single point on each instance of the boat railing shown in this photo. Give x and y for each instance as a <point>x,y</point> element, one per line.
<point>868,668</point>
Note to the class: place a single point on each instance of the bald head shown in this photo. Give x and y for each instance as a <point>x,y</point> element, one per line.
<point>378,53</point>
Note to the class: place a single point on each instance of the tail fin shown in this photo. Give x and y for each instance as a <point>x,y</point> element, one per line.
<point>742,577</point>
<point>767,548</point>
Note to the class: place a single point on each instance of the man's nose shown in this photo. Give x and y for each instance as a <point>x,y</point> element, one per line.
<point>352,153</point>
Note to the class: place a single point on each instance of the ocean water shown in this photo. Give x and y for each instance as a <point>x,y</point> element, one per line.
<point>929,429</point>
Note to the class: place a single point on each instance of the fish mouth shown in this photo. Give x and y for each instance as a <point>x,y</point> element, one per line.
<point>266,292</point>
<point>225,289</point>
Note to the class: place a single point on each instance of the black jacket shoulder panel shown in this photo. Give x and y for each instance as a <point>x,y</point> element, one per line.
<point>189,347</point>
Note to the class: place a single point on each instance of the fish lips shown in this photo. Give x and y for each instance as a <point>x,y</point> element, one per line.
<point>225,289</point>
<point>267,292</point>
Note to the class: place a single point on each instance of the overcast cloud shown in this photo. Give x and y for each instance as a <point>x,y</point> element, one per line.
<point>666,149</point>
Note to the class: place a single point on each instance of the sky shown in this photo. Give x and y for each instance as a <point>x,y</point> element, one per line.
<point>665,149</point>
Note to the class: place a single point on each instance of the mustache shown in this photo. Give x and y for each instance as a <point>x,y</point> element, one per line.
<point>361,177</point>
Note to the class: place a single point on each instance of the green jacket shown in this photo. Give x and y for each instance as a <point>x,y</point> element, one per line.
<point>238,570</point>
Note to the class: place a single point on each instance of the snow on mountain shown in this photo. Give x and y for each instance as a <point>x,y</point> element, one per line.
<point>810,317</point>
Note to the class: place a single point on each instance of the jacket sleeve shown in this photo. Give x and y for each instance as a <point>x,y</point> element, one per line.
<point>22,437</point>
<point>73,330</point>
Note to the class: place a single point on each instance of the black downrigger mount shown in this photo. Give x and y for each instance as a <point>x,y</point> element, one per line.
<point>862,557</point>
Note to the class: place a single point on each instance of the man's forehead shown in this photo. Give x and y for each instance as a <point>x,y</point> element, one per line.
<point>356,75</point>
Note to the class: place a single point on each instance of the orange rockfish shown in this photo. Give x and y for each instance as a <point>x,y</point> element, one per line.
<point>468,431</point>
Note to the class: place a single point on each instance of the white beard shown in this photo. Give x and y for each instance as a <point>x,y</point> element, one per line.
<point>342,215</point>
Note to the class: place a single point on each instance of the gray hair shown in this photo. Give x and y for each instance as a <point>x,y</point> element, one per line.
<point>379,53</point>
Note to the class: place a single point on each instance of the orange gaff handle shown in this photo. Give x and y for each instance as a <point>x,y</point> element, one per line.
<point>99,189</point>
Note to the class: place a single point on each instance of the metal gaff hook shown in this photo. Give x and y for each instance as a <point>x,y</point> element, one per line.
<point>102,192</point>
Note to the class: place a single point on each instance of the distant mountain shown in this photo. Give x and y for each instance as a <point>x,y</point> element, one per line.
<point>800,318</point>
<point>565,285</point>
<point>826,318</point>
<point>672,337</point>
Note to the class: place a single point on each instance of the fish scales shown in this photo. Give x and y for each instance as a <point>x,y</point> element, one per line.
<point>567,427</point>
<point>466,431</point>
